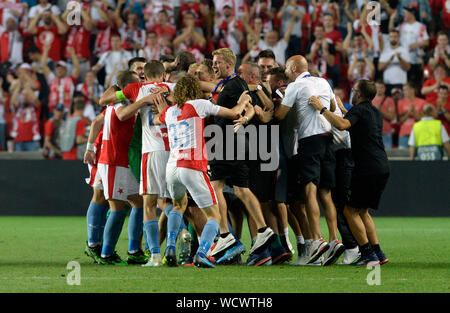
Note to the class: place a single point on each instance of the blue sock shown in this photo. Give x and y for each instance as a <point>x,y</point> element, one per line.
<point>173,225</point>
<point>113,228</point>
<point>145,239</point>
<point>208,234</point>
<point>232,231</point>
<point>182,225</point>
<point>135,229</point>
<point>151,231</point>
<point>168,209</point>
<point>96,219</point>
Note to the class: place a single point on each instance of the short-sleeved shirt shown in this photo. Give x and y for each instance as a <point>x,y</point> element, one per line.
<point>279,50</point>
<point>80,131</point>
<point>388,105</point>
<point>367,143</point>
<point>228,97</point>
<point>310,121</point>
<point>403,107</point>
<point>154,137</point>
<point>432,95</point>
<point>394,74</point>
<point>185,128</point>
<point>116,139</point>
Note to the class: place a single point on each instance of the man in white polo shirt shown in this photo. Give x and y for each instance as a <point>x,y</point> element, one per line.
<point>394,63</point>
<point>317,161</point>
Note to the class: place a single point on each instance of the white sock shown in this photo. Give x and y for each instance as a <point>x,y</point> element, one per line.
<point>300,240</point>
<point>286,232</point>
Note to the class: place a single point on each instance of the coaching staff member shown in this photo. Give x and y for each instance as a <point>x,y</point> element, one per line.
<point>365,123</point>
<point>235,171</point>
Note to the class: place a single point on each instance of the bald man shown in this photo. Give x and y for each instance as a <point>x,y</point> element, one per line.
<point>316,157</point>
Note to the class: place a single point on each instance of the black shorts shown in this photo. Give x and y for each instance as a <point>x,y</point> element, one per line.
<point>366,190</point>
<point>317,161</point>
<point>234,172</point>
<point>261,183</point>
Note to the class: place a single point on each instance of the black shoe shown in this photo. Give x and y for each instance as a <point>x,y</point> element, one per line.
<point>138,257</point>
<point>113,259</point>
<point>170,257</point>
<point>93,252</point>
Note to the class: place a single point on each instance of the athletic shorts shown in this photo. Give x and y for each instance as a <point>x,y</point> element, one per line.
<point>261,183</point>
<point>94,177</point>
<point>317,161</point>
<point>180,179</point>
<point>287,185</point>
<point>153,174</point>
<point>234,172</point>
<point>366,190</point>
<point>118,182</point>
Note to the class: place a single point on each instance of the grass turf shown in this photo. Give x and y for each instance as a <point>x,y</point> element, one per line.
<point>36,250</point>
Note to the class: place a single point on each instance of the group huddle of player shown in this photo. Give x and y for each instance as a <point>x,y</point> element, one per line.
<point>147,149</point>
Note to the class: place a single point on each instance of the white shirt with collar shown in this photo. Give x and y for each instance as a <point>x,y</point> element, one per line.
<point>310,121</point>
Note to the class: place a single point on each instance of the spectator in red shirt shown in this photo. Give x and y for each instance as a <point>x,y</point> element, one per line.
<point>442,105</point>
<point>78,148</point>
<point>431,86</point>
<point>50,33</point>
<point>191,38</point>
<point>163,29</point>
<point>386,106</point>
<point>78,38</point>
<point>52,132</point>
<point>229,31</point>
<point>409,111</point>
<point>441,52</point>
<point>133,37</point>
<point>61,85</point>
<point>197,8</point>
<point>25,130</point>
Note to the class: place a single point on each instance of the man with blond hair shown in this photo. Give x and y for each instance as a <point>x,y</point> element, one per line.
<point>230,167</point>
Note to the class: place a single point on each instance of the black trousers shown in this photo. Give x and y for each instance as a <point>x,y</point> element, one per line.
<point>341,193</point>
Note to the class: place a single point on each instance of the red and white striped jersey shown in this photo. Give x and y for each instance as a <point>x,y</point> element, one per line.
<point>154,138</point>
<point>185,129</point>
<point>116,138</point>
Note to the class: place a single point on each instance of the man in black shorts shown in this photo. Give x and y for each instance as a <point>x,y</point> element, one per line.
<point>371,171</point>
<point>236,171</point>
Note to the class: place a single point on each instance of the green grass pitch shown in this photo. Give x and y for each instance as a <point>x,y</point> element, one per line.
<point>35,251</point>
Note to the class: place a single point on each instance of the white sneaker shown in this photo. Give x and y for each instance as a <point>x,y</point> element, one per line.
<point>350,256</point>
<point>263,240</point>
<point>334,252</point>
<point>317,262</point>
<point>318,247</point>
<point>223,244</point>
<point>154,261</point>
<point>303,258</point>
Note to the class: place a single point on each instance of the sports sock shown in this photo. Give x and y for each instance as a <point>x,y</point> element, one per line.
<point>208,234</point>
<point>145,240</point>
<point>135,229</point>
<point>366,249</point>
<point>95,219</point>
<point>113,228</point>
<point>173,225</point>
<point>224,235</point>
<point>262,229</point>
<point>232,231</point>
<point>300,240</point>
<point>376,248</point>
<point>151,231</point>
<point>276,243</point>
<point>286,232</point>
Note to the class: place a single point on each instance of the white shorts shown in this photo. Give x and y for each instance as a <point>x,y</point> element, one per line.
<point>94,178</point>
<point>118,182</point>
<point>196,182</point>
<point>153,174</point>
